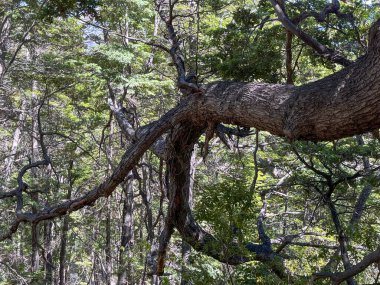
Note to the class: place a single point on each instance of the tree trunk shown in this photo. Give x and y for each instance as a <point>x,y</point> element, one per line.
<point>35,258</point>
<point>181,142</point>
<point>96,273</point>
<point>342,239</point>
<point>5,27</point>
<point>289,58</point>
<point>34,195</point>
<point>48,226</point>
<point>108,249</point>
<point>65,229</point>
<point>63,251</point>
<point>125,273</point>
<point>146,197</point>
<point>186,248</point>
<point>16,141</point>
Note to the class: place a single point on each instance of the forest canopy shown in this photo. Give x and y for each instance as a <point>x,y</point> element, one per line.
<point>189,142</point>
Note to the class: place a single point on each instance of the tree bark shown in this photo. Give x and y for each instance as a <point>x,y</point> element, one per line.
<point>35,258</point>
<point>343,104</point>
<point>34,196</point>
<point>289,58</point>
<point>108,249</point>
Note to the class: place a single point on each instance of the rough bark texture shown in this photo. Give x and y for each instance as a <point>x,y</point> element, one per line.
<point>340,105</point>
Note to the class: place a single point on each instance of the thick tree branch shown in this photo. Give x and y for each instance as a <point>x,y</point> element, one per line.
<point>343,104</point>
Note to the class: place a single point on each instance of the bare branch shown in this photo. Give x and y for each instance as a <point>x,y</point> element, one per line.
<point>340,277</point>
<point>165,10</point>
<point>321,49</point>
<point>331,8</point>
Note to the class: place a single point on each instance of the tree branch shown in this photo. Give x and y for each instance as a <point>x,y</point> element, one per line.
<point>321,49</point>
<point>340,277</point>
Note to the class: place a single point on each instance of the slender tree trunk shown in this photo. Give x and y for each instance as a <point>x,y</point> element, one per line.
<point>63,251</point>
<point>186,248</point>
<point>108,249</point>
<point>48,227</point>
<point>288,49</point>
<point>34,157</point>
<point>146,196</point>
<point>289,58</point>
<point>35,258</point>
<point>16,141</point>
<point>342,239</point>
<point>125,273</point>
<point>65,229</point>
<point>4,35</point>
<point>96,275</point>
<point>142,257</point>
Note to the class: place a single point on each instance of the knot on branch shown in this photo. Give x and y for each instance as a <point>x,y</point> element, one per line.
<point>188,88</point>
